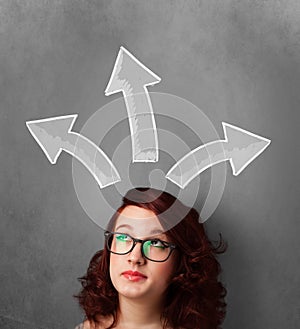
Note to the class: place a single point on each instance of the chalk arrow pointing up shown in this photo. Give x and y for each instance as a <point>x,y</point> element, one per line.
<point>131,77</point>
<point>240,147</point>
<point>54,135</point>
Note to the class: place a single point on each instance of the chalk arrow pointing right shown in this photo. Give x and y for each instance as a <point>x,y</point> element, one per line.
<point>54,135</point>
<point>240,147</point>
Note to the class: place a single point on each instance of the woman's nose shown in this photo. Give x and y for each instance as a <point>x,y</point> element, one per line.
<point>135,256</point>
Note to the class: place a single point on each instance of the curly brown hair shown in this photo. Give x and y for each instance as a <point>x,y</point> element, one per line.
<point>194,297</point>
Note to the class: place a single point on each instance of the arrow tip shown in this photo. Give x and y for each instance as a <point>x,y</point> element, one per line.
<point>243,146</point>
<point>129,72</point>
<point>51,133</point>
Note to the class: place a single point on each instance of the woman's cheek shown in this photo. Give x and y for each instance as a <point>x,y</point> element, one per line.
<point>114,266</point>
<point>163,270</point>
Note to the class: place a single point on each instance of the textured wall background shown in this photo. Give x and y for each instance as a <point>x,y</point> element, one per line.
<point>236,60</point>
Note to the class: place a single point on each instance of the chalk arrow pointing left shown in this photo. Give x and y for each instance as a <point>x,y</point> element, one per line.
<point>54,135</point>
<point>131,77</point>
<point>240,147</point>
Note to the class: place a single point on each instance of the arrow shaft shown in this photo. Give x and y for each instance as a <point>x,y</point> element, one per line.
<point>92,157</point>
<point>197,161</point>
<point>142,125</point>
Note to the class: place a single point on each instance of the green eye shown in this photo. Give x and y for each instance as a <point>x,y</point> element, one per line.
<point>157,244</point>
<point>122,237</point>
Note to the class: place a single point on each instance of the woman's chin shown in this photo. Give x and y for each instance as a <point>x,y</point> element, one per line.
<point>130,291</point>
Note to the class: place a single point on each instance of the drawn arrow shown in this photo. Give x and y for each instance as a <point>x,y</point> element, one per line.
<point>240,147</point>
<point>131,77</point>
<point>54,135</point>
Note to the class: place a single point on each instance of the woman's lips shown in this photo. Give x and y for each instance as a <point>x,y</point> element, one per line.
<point>134,276</point>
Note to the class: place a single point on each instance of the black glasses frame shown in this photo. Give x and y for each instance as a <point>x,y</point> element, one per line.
<point>108,234</point>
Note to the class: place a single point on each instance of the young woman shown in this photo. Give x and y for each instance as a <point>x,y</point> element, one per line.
<point>147,277</point>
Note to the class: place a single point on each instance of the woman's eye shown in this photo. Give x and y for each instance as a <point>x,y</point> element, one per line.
<point>122,237</point>
<point>157,244</point>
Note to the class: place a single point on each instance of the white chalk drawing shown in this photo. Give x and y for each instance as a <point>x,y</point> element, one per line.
<point>240,147</point>
<point>132,78</point>
<point>114,133</point>
<point>54,135</point>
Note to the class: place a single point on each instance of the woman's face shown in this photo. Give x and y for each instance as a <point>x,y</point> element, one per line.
<point>132,275</point>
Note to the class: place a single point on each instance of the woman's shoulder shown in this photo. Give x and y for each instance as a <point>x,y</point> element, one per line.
<point>91,325</point>
<point>79,326</point>
<point>85,325</point>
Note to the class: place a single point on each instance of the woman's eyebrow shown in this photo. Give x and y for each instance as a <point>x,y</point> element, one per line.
<point>124,225</point>
<point>158,234</point>
<point>155,231</point>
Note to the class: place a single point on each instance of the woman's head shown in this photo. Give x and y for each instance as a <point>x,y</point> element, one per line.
<point>141,256</point>
<point>185,284</point>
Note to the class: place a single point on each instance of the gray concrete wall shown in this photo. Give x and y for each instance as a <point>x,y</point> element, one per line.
<point>236,60</point>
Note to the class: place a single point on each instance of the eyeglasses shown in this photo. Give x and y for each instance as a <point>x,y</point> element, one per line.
<point>155,250</point>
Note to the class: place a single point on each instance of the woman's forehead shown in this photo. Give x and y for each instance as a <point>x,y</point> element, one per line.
<point>138,221</point>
